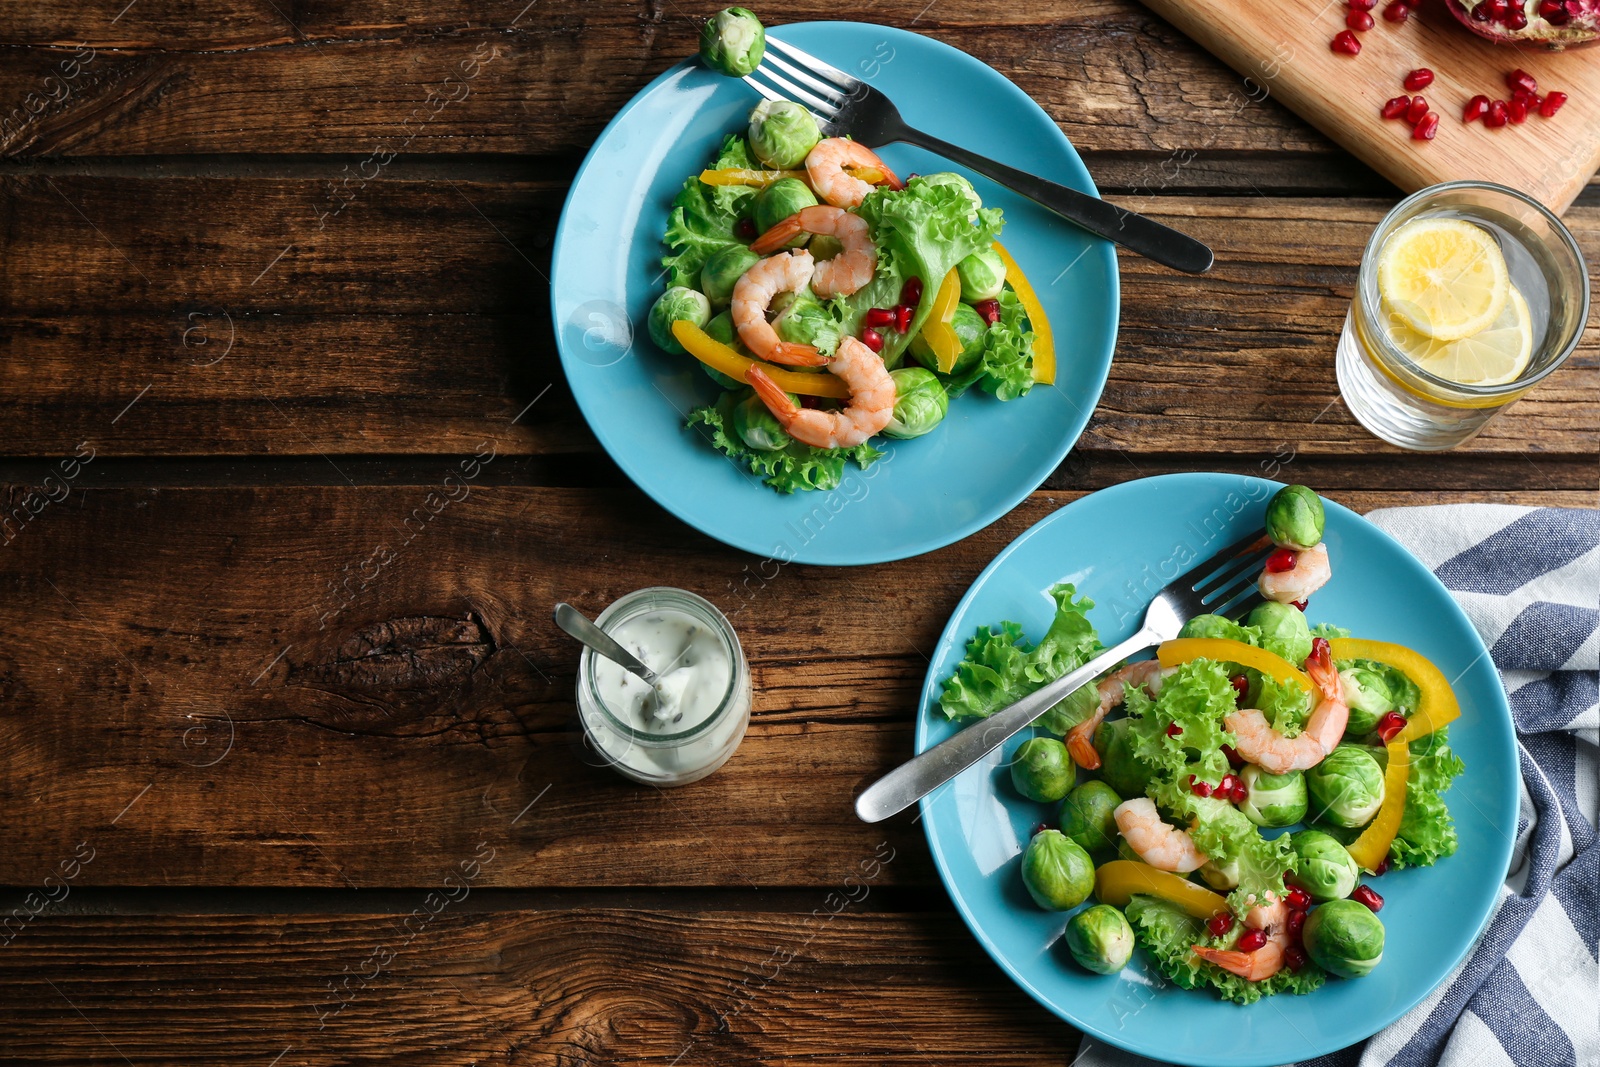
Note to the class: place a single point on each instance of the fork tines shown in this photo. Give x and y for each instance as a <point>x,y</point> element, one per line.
<point>1225,582</point>
<point>825,91</point>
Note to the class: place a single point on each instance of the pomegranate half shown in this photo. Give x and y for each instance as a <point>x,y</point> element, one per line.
<point>1551,25</point>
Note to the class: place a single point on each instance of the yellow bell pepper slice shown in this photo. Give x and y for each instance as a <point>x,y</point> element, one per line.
<point>718,356</point>
<point>937,331</point>
<point>1438,704</point>
<point>1372,847</point>
<point>758,179</point>
<point>1044,345</point>
<point>1117,881</point>
<point>1225,650</point>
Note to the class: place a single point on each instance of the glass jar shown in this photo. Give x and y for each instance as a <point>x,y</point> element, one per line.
<point>713,715</point>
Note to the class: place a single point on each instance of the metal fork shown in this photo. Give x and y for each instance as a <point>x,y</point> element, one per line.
<point>1222,585</point>
<point>844,104</point>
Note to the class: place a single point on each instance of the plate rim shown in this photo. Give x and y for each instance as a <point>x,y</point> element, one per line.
<point>917,546</point>
<point>1502,720</point>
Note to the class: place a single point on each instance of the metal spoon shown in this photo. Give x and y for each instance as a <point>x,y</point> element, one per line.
<point>577,624</point>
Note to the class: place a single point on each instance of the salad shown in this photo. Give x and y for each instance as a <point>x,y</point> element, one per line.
<point>832,301</point>
<point>1222,802</point>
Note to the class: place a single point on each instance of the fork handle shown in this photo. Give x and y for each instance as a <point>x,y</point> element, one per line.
<point>1127,228</point>
<point>916,778</point>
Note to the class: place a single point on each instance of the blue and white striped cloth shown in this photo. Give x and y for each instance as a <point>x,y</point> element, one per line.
<point>1529,994</point>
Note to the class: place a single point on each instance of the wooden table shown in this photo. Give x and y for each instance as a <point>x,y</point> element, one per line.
<point>293,479</point>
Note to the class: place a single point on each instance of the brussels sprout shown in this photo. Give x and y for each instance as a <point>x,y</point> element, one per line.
<point>1275,799</point>
<point>982,275</point>
<point>920,402</point>
<point>969,327</point>
<point>679,302</point>
<point>823,246</point>
<point>1344,938</point>
<point>1283,630</point>
<point>1059,875</point>
<point>1366,694</point>
<point>1323,867</point>
<point>1222,875</point>
<point>1125,851</point>
<point>1100,939</point>
<point>1294,518</point>
<point>803,320</point>
<point>1122,770</point>
<point>757,427</point>
<point>1086,817</point>
<point>733,42</point>
<point>1346,787</point>
<point>945,177</point>
<point>723,271</point>
<point>782,133</point>
<point>780,200</point>
<point>1072,709</point>
<point>1041,769</point>
<point>1215,626</point>
<point>720,328</point>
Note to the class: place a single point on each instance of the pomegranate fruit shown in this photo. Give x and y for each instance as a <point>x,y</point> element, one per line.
<point>1548,24</point>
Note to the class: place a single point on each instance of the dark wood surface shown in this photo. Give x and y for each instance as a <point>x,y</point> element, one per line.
<point>235,818</point>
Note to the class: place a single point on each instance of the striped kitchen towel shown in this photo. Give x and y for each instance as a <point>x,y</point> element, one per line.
<point>1529,994</point>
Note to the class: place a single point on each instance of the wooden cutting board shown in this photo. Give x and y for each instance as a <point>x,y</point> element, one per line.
<point>1281,48</point>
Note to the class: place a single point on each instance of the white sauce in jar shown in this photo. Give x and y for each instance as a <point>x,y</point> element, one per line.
<point>692,663</point>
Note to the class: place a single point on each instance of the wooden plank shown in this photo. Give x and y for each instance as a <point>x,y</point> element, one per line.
<point>173,688</point>
<point>527,988</point>
<point>416,322</point>
<point>252,78</point>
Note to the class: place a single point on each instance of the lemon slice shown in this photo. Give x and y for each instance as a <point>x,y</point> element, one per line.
<point>1493,356</point>
<point>1446,279</point>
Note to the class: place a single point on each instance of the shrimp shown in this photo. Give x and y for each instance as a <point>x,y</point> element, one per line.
<point>845,272</point>
<point>1260,744</point>
<point>752,294</point>
<point>870,407</point>
<point>1113,691</point>
<point>1264,962</point>
<point>1162,846</point>
<point>825,167</point>
<point>1309,573</point>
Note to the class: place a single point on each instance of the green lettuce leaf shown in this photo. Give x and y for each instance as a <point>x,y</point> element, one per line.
<point>1284,704</point>
<point>1231,841</point>
<point>1006,366</point>
<point>1000,668</point>
<point>1169,936</point>
<point>1427,832</point>
<point>795,467</point>
<point>703,217</point>
<point>1194,698</point>
<point>1329,630</point>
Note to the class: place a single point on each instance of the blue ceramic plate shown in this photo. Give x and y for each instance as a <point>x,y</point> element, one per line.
<point>983,459</point>
<point>1119,546</point>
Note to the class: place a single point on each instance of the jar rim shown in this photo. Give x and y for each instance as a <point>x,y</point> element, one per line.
<point>652,598</point>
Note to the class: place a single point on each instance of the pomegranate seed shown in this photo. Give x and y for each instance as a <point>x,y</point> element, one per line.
<point>1283,559</point>
<point>1516,19</point>
<point>1517,111</point>
<point>1199,788</point>
<point>1420,78</point>
<point>1476,108</point>
<point>878,318</point>
<point>1552,104</point>
<point>1498,115</point>
<point>988,310</point>
<point>872,339</point>
<point>1297,899</point>
<point>1390,725</point>
<point>1480,13</point>
<point>1345,42</point>
<point>911,291</point>
<point>1428,127</point>
<point>1395,108</point>
<point>1226,786</point>
<point>1530,99</point>
<point>1397,11</point>
<point>1241,792</point>
<point>1418,108</point>
<point>1251,940</point>
<point>1554,12</point>
<point>903,315</point>
<point>1173,730</point>
<point>1299,604</point>
<point>1296,919</point>
<point>1363,5</point>
<point>1521,79</point>
<point>1241,685</point>
<point>1294,958</point>
<point>1493,10</point>
<point>1220,924</point>
<point>745,228</point>
<point>1359,21</point>
<point>1234,759</point>
<point>1383,866</point>
<point>1366,897</point>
